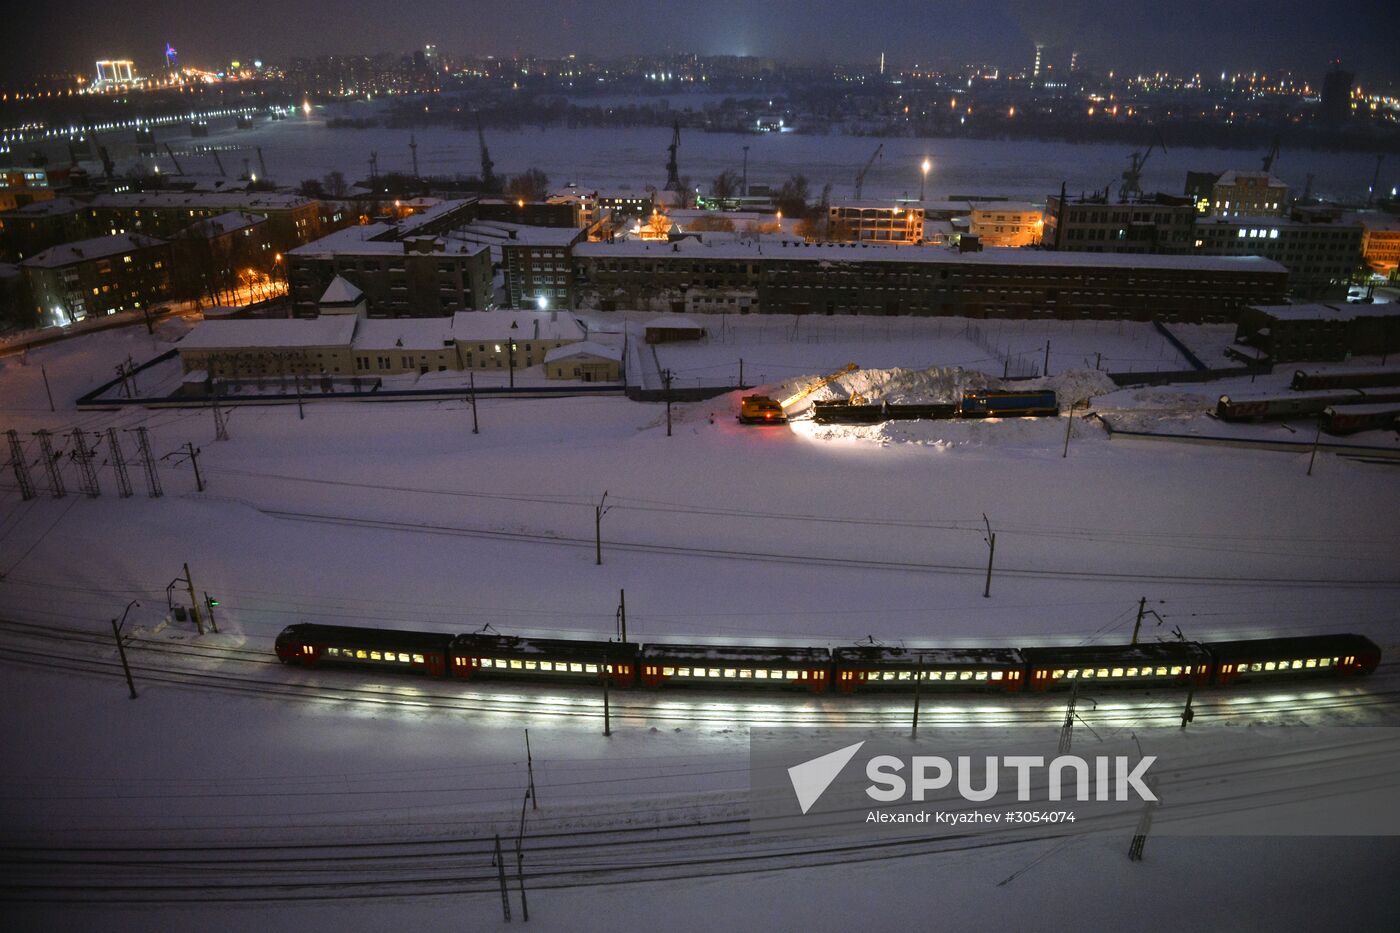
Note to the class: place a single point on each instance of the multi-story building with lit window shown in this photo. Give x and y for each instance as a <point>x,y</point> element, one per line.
<point>292,219</point>
<point>1006,223</point>
<point>1252,194</point>
<point>1321,258</point>
<point>100,276</point>
<point>1154,224</point>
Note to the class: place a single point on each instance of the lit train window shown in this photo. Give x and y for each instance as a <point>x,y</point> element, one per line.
<point>1132,672</point>
<point>1256,667</point>
<point>1161,672</point>
<point>333,652</point>
<point>516,665</point>
<point>746,674</point>
<point>730,672</point>
<point>792,675</point>
<point>1071,674</point>
<point>361,654</point>
<point>1268,665</point>
<point>1297,664</point>
<point>1176,669</point>
<point>761,674</point>
<point>1057,673</point>
<point>714,672</point>
<point>1311,662</point>
<point>996,675</point>
<point>1103,672</point>
<point>591,668</point>
<point>1087,672</point>
<point>964,675</point>
<point>403,658</point>
<point>575,667</point>
<point>1118,672</point>
<point>668,671</point>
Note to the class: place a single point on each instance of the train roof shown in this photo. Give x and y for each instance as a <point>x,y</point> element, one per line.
<point>929,657</point>
<point>312,632</point>
<point>738,654</point>
<point>1294,646</point>
<point>513,645</point>
<point>1147,652</point>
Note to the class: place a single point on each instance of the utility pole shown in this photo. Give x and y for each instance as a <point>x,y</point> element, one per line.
<point>301,412</point>
<point>918,690</point>
<point>1069,425</point>
<point>1187,713</point>
<point>991,540</point>
<point>1137,626</point>
<point>498,862</point>
<point>143,447</point>
<point>47,391</point>
<point>1046,370</point>
<point>194,604</point>
<point>510,355</point>
<point>83,456</point>
<point>530,769</point>
<point>471,381</point>
<point>622,615</point>
<point>598,512</point>
<point>746,182</point>
<point>520,862</point>
<point>1316,438</point>
<point>1067,730</point>
<point>741,372</point>
<point>220,427</point>
<point>198,479</point>
<point>119,463</point>
<point>51,463</point>
<point>1144,825</point>
<point>26,486</point>
<point>607,708</point>
<point>666,376</point>
<point>121,648</point>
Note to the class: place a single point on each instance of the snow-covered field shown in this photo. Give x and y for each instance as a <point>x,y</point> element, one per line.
<point>397,515</point>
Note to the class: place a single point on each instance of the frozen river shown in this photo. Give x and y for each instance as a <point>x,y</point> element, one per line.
<point>303,147</point>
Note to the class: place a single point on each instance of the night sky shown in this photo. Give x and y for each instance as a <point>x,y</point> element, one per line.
<point>1127,35</point>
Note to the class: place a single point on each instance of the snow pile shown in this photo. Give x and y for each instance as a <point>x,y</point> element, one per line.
<point>946,384</point>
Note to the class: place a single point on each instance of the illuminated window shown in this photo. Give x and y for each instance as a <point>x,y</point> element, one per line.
<point>531,665</point>
<point>575,667</point>
<point>761,674</point>
<point>996,675</point>
<point>1311,662</point>
<point>516,665</point>
<point>792,675</point>
<point>361,654</point>
<point>1118,672</point>
<point>667,671</point>
<point>730,672</point>
<point>1132,672</point>
<point>746,674</point>
<point>1176,669</point>
<point>1057,673</point>
<point>714,672</point>
<point>546,665</point>
<point>1103,672</point>
<point>375,656</point>
<point>1087,672</point>
<point>1071,674</point>
<point>591,668</point>
<point>1268,665</point>
<point>1297,665</point>
<point>699,672</point>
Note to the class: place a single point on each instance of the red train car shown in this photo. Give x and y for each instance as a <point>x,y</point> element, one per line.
<point>894,668</point>
<point>557,659</point>
<point>311,645</point>
<point>1261,660</point>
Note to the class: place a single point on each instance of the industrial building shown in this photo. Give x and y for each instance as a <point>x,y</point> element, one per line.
<point>794,277</point>
<point>1321,258</point>
<point>1318,332</point>
<point>878,223</point>
<point>1154,224</point>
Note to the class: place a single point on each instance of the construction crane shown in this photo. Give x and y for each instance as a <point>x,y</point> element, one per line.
<point>262,165</point>
<point>762,409</point>
<point>1132,177</point>
<point>1272,155</point>
<point>178,169</point>
<point>673,176</point>
<point>488,168</point>
<point>860,176</point>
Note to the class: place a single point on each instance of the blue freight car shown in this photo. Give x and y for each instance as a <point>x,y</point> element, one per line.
<point>984,404</point>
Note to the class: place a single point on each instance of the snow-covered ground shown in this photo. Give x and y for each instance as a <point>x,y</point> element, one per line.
<point>303,147</point>
<point>397,515</point>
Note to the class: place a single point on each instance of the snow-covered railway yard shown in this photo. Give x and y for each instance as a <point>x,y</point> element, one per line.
<point>398,516</point>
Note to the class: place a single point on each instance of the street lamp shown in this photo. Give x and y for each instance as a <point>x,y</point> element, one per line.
<point>923,178</point>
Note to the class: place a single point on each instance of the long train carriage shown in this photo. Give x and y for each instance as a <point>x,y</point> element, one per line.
<point>1346,379</point>
<point>1143,665</point>
<point>312,645</point>
<point>1306,656</point>
<point>1259,409</point>
<point>727,666</point>
<point>562,659</point>
<point>1349,419</point>
<point>880,668</point>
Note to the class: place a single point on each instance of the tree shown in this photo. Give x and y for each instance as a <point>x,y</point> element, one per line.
<point>709,224</point>
<point>725,185</point>
<point>311,188</point>
<point>792,196</point>
<point>334,185</point>
<point>659,224</point>
<point>530,185</point>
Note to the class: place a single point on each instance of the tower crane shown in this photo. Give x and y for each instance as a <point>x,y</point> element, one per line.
<point>673,177</point>
<point>1132,177</point>
<point>488,168</point>
<point>860,176</point>
<point>1272,155</point>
